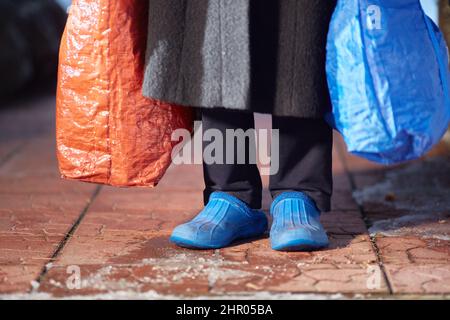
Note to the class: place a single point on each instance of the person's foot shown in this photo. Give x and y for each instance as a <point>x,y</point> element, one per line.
<point>296,225</point>
<point>223,220</point>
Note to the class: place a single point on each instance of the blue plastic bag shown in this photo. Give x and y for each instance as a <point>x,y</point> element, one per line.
<point>388,74</point>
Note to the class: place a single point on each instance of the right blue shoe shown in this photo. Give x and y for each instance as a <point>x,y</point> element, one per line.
<point>296,223</point>
<point>223,220</point>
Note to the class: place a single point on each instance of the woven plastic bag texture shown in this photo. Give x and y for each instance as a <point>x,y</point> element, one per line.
<point>387,68</point>
<point>106,131</point>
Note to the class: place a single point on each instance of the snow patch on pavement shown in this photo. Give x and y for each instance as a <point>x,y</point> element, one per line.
<point>421,190</point>
<point>431,226</point>
<point>419,187</point>
<point>169,269</point>
<point>188,265</point>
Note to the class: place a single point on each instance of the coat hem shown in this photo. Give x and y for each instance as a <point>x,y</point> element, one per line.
<point>244,108</point>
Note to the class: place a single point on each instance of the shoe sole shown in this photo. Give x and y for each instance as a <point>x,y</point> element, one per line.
<point>186,243</point>
<point>299,245</point>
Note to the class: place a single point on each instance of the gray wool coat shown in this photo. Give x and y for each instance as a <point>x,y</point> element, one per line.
<point>254,55</point>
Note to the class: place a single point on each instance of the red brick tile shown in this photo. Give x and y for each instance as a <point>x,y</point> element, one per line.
<point>182,178</point>
<point>17,279</point>
<point>344,222</point>
<point>68,204</point>
<point>126,220</point>
<point>333,270</point>
<point>105,239</point>
<point>148,200</point>
<point>132,279</point>
<point>122,243</point>
<point>28,119</point>
<point>171,270</point>
<point>24,249</point>
<point>9,147</point>
<point>103,247</point>
<point>332,279</point>
<point>30,236</point>
<point>419,279</point>
<point>37,158</point>
<point>43,185</point>
<point>401,250</point>
<point>30,220</point>
<point>34,219</point>
<point>414,265</point>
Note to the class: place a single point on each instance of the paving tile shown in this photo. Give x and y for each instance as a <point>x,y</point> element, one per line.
<point>322,271</point>
<point>32,225</point>
<point>148,200</point>
<point>37,158</point>
<point>96,223</point>
<point>413,250</point>
<point>28,249</point>
<point>18,221</point>
<point>406,208</point>
<point>104,238</point>
<point>30,237</point>
<point>342,198</point>
<point>122,245</point>
<point>172,279</point>
<point>139,240</point>
<point>417,186</point>
<point>17,279</point>
<point>106,246</point>
<point>28,118</point>
<point>147,264</point>
<point>66,203</point>
<point>8,148</point>
<point>126,231</point>
<point>332,279</point>
<point>344,223</point>
<point>426,225</point>
<point>416,256</point>
<point>182,178</point>
<point>43,185</point>
<point>32,221</point>
<point>37,209</point>
<point>248,267</point>
<point>419,279</point>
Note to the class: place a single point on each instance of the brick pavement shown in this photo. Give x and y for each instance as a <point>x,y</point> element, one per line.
<point>389,230</point>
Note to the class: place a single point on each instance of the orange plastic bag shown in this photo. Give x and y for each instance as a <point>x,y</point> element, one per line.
<point>106,131</point>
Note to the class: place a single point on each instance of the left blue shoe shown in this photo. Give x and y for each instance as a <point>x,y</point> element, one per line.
<point>223,220</point>
<point>296,223</point>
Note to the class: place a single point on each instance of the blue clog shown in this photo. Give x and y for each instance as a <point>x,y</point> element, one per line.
<point>296,223</point>
<point>223,220</point>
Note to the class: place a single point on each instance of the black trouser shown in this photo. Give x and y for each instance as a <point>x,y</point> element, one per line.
<point>305,147</point>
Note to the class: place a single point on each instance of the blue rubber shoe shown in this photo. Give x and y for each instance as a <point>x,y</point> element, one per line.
<point>296,225</point>
<point>223,220</point>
